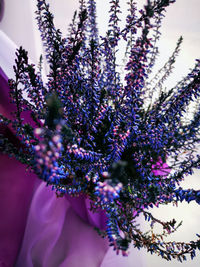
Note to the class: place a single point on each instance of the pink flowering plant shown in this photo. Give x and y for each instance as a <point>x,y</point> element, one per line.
<point>98,133</point>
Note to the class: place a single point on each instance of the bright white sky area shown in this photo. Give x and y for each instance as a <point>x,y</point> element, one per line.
<point>182,18</point>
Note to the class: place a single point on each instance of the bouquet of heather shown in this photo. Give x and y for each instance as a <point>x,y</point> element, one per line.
<point>122,141</point>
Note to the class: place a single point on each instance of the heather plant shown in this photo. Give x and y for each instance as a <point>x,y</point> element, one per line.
<point>121,140</point>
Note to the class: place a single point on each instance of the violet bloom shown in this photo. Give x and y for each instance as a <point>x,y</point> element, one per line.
<point>160,168</point>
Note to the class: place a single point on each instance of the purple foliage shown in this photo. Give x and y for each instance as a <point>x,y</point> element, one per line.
<point>94,132</point>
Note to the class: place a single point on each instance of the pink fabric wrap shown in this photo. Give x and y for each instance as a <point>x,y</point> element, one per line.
<point>59,233</point>
<point>16,187</point>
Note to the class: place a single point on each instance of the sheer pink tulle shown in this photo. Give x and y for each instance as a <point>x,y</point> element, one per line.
<point>16,189</point>
<point>60,232</point>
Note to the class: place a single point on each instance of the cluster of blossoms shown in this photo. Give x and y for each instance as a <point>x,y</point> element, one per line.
<point>100,134</point>
<point>107,190</point>
<point>46,155</point>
